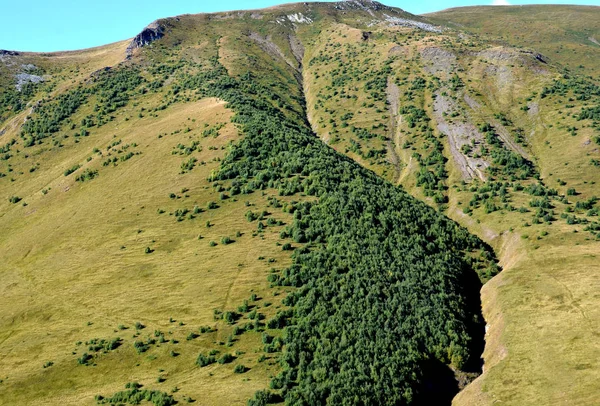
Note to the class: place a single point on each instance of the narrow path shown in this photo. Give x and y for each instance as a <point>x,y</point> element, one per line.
<point>393,97</point>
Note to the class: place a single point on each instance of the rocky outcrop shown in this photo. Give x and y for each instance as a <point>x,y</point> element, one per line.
<point>24,78</point>
<point>404,22</point>
<point>366,5</point>
<point>4,52</point>
<point>151,33</point>
<point>438,60</point>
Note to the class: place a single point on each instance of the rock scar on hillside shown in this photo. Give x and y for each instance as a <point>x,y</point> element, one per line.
<point>508,140</point>
<point>403,22</point>
<point>438,60</point>
<point>297,49</point>
<point>267,45</point>
<point>502,132</point>
<point>459,134</point>
<point>151,33</point>
<point>271,48</point>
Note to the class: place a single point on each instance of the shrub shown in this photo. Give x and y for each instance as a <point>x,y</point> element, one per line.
<point>85,359</point>
<point>88,174</point>
<point>226,240</point>
<point>226,358</point>
<point>262,398</point>
<point>230,317</point>
<point>240,369</point>
<point>204,360</point>
<point>72,169</point>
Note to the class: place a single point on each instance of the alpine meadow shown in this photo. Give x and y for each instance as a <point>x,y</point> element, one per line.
<point>312,204</point>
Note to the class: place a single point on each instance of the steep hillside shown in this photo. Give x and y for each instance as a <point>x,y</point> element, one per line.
<point>217,212</point>
<point>565,34</point>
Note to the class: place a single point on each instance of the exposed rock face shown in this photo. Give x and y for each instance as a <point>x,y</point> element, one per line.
<point>367,5</point>
<point>4,52</point>
<point>148,35</point>
<point>23,78</point>
<point>438,60</point>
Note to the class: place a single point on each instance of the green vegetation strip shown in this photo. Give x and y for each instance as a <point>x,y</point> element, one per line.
<point>386,286</point>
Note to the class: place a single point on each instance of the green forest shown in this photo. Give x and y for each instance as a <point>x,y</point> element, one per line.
<point>387,289</point>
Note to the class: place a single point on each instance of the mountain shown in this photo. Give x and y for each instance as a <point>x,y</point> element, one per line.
<point>315,203</point>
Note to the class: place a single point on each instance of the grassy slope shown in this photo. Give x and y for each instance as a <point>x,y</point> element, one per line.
<point>543,307</point>
<point>108,273</point>
<point>565,34</point>
<point>75,265</point>
<point>540,309</point>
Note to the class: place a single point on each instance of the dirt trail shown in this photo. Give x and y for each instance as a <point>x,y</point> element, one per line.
<point>393,144</point>
<point>459,134</point>
<point>508,140</point>
<point>297,49</point>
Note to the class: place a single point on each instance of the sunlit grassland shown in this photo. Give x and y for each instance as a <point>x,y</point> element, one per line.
<point>75,268</point>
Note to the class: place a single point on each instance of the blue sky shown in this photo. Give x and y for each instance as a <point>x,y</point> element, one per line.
<point>53,25</point>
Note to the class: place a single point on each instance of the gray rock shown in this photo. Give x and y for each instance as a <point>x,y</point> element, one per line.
<point>23,78</point>
<point>151,33</point>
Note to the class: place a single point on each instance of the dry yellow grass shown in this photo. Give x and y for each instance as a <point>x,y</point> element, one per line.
<point>77,255</point>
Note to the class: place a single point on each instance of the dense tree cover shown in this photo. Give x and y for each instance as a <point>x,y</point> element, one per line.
<point>113,89</point>
<point>582,88</point>
<point>13,100</point>
<point>50,115</point>
<point>432,175</point>
<point>384,285</point>
<point>134,395</point>
<point>505,163</point>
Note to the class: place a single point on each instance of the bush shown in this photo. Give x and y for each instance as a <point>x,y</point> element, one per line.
<point>88,174</point>
<point>226,358</point>
<point>240,369</point>
<point>262,398</point>
<point>72,169</point>
<point>230,317</point>
<point>135,396</point>
<point>204,360</point>
<point>227,241</point>
<point>85,359</point>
